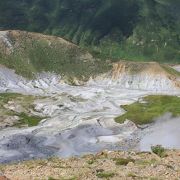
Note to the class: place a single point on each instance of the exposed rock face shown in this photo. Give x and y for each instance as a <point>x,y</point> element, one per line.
<point>5,43</point>
<point>145,76</point>
<point>11,82</point>
<point>3,178</point>
<point>142,76</point>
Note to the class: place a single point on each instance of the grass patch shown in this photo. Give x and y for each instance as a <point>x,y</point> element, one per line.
<point>29,120</point>
<point>70,178</point>
<point>20,98</point>
<point>90,162</point>
<point>25,102</point>
<point>153,106</point>
<point>146,162</point>
<point>105,175</point>
<point>123,161</point>
<point>132,175</point>
<point>5,97</point>
<point>51,178</point>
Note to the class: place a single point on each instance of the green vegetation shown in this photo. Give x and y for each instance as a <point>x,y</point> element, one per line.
<point>132,175</point>
<point>51,178</point>
<point>159,150</point>
<point>70,178</point>
<point>127,29</point>
<point>15,98</point>
<point>92,161</point>
<point>123,161</point>
<point>8,104</point>
<point>26,119</point>
<point>151,107</point>
<point>146,162</point>
<point>5,97</point>
<point>170,70</point>
<point>34,54</point>
<point>105,175</point>
<point>62,178</point>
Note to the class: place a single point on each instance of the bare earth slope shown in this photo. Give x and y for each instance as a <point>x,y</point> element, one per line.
<point>137,75</point>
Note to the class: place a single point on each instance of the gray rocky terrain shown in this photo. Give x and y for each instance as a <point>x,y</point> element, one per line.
<point>79,119</point>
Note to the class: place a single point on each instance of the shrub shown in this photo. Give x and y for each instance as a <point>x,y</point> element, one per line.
<point>159,150</point>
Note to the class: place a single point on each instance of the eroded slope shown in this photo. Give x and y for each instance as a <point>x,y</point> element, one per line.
<point>147,76</point>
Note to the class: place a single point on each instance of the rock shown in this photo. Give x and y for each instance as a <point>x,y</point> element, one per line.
<point>3,177</point>
<point>130,164</point>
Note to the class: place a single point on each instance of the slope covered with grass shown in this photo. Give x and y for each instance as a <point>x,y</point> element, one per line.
<point>32,53</point>
<point>151,107</point>
<point>128,29</point>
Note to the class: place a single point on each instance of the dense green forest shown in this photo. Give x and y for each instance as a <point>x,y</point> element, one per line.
<point>116,29</point>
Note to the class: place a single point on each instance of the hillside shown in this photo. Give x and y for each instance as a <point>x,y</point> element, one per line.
<point>134,30</point>
<point>140,75</point>
<point>105,165</point>
<point>32,53</point>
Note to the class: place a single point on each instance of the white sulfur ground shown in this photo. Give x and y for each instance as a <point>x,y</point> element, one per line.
<point>81,122</point>
<point>177,67</point>
<point>81,118</point>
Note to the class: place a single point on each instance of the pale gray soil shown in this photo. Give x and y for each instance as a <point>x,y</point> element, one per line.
<point>80,118</point>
